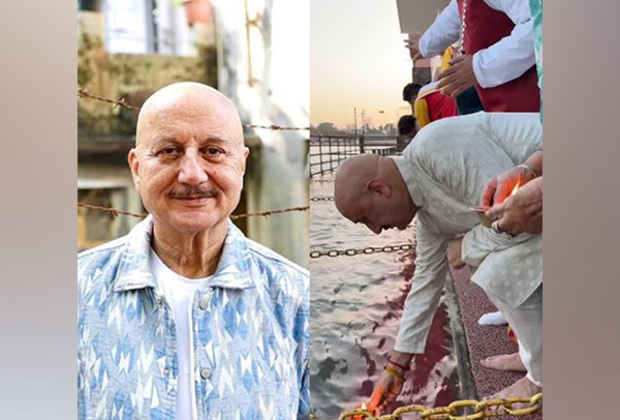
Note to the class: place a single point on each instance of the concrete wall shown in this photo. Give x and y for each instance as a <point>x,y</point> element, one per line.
<point>264,67</point>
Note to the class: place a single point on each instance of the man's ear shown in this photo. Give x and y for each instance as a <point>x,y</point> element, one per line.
<point>134,163</point>
<point>377,186</point>
<point>246,152</point>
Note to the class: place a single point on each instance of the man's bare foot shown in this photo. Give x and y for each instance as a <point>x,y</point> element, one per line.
<point>504,362</point>
<point>523,388</point>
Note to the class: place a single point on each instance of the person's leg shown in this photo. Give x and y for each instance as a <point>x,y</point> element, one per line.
<point>526,320</point>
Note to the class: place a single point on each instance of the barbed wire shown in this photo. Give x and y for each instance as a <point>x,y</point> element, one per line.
<point>117,212</point>
<point>357,251</point>
<point>113,212</point>
<point>322,199</point>
<point>482,410</point>
<point>276,127</point>
<point>84,93</point>
<point>269,212</point>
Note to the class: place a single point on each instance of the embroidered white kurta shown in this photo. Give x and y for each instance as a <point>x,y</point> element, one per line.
<point>446,168</point>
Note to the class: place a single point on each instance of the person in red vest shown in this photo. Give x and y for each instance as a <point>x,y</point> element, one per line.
<point>495,54</point>
<point>430,104</point>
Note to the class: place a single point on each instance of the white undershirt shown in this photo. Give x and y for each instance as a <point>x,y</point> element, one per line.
<point>178,292</point>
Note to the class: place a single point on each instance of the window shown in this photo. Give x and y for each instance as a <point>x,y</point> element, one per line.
<point>146,27</point>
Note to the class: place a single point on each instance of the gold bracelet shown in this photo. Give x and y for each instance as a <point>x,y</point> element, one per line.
<point>394,373</point>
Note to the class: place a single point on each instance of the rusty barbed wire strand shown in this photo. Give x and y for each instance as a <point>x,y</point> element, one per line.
<point>481,410</point>
<point>269,212</point>
<point>113,212</point>
<point>276,127</point>
<point>358,251</point>
<point>84,93</point>
<point>117,212</point>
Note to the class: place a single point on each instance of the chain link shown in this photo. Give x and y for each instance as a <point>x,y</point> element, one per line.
<point>482,410</point>
<point>357,251</point>
<point>459,50</point>
<point>322,199</point>
<point>321,181</point>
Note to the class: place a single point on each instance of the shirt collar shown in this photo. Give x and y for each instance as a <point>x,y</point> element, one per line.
<point>413,182</point>
<point>134,272</point>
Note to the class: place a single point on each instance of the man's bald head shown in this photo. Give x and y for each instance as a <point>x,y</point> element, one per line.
<point>187,100</point>
<point>189,159</point>
<point>369,189</point>
<point>351,180</point>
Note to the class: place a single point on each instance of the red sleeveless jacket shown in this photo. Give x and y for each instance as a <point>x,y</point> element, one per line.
<point>485,26</point>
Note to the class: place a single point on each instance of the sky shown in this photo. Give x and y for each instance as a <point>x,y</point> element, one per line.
<point>357,60</point>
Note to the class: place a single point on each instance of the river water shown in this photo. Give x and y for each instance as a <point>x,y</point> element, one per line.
<point>355,308</point>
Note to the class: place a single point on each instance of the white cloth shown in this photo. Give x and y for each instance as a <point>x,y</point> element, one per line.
<point>492,318</point>
<point>446,169</point>
<point>526,321</point>
<point>500,63</point>
<point>426,88</point>
<point>178,292</point>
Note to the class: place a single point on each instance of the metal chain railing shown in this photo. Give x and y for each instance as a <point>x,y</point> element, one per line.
<point>117,212</point>
<point>455,411</point>
<point>359,251</point>
<point>84,93</point>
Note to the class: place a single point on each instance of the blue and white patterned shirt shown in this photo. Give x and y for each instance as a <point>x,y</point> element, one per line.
<point>250,335</point>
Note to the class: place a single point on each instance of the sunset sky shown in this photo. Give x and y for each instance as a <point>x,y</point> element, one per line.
<point>357,59</point>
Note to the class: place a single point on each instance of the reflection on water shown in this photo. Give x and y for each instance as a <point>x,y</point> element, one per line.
<point>356,304</point>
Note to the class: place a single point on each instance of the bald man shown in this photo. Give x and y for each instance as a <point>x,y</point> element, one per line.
<point>185,318</point>
<point>439,179</point>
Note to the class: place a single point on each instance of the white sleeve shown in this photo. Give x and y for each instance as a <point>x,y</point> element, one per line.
<point>426,288</point>
<point>519,134</point>
<point>512,55</point>
<point>444,31</point>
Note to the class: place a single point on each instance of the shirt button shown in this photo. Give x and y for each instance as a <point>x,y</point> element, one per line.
<point>205,373</point>
<point>204,303</point>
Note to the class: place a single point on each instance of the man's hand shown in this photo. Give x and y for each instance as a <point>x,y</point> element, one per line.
<point>454,253</point>
<point>522,212</point>
<point>413,43</point>
<point>501,186</point>
<point>458,77</point>
<point>386,390</point>
<point>388,387</point>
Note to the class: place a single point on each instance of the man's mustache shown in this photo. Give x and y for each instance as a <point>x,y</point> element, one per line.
<point>200,191</point>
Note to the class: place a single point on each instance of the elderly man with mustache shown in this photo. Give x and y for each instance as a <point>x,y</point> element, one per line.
<point>185,318</point>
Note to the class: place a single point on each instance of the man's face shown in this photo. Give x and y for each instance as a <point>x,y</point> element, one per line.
<point>188,166</point>
<point>380,211</point>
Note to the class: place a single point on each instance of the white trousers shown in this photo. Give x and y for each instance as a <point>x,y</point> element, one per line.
<point>526,321</point>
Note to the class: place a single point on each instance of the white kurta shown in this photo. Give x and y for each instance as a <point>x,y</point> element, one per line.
<point>500,63</point>
<point>446,168</point>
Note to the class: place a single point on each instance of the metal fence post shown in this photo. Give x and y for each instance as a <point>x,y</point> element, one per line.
<point>331,160</point>
<point>320,156</point>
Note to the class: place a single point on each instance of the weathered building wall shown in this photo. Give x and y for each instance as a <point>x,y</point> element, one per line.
<point>264,67</point>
